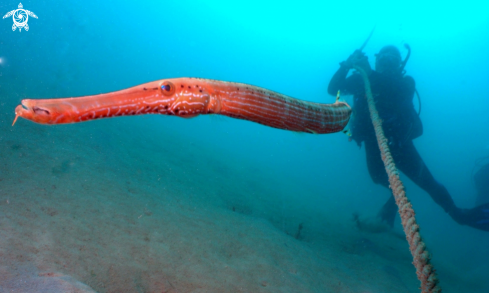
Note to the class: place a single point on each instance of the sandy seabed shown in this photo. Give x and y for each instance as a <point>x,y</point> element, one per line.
<point>96,211</point>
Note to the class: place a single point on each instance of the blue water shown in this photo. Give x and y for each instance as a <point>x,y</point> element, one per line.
<point>76,49</point>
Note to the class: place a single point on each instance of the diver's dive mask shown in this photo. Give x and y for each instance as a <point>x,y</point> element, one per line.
<point>387,62</point>
<point>388,59</point>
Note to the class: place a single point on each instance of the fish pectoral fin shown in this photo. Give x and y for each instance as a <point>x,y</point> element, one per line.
<point>311,131</point>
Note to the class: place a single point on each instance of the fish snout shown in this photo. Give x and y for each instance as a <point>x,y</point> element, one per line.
<point>32,112</point>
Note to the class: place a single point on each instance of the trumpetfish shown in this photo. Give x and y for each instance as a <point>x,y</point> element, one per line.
<point>190,97</point>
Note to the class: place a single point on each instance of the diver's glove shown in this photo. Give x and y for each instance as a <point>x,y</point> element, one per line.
<point>358,58</point>
<point>352,59</point>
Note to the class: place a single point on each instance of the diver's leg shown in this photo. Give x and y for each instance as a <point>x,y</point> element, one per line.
<point>388,211</point>
<point>409,161</point>
<point>375,165</point>
<point>378,174</point>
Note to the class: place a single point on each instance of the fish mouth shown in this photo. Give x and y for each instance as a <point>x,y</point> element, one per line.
<point>28,111</point>
<point>19,111</point>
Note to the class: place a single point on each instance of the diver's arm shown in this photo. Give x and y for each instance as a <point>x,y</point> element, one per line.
<point>338,81</point>
<point>350,85</point>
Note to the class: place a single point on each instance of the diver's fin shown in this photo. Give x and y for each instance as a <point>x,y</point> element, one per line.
<point>477,217</point>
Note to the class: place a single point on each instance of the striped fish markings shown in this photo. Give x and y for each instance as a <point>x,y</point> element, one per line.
<point>189,97</point>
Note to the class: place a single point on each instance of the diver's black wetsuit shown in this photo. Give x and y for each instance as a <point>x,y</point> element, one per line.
<point>393,95</point>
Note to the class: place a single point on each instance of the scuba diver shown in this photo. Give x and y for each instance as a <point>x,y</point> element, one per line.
<point>393,92</point>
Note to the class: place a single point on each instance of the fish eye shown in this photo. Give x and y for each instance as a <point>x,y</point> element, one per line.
<point>167,88</point>
<point>38,110</point>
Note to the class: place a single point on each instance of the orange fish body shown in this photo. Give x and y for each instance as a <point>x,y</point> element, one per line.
<point>189,97</point>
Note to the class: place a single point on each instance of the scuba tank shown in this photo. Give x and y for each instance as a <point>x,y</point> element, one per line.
<point>403,64</point>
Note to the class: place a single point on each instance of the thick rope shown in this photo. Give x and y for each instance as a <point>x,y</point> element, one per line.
<point>424,269</point>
